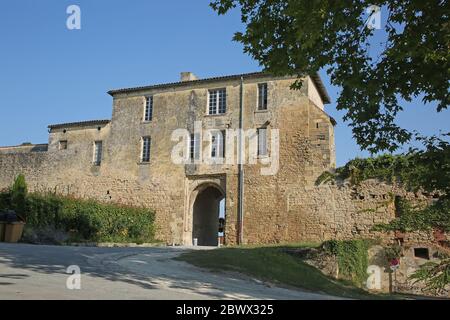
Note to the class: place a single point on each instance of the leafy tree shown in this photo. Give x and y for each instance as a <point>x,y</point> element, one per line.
<point>435,275</point>
<point>301,37</point>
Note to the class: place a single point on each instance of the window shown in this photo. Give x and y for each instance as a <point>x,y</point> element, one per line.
<point>217,102</point>
<point>98,150</point>
<point>63,145</point>
<point>195,147</point>
<point>262,142</point>
<point>218,144</point>
<point>262,96</point>
<point>422,253</point>
<point>146,144</point>
<point>148,116</point>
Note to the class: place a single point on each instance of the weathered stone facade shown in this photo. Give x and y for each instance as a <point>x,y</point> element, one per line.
<point>284,207</point>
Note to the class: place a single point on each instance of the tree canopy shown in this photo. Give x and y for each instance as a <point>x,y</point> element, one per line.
<point>302,37</point>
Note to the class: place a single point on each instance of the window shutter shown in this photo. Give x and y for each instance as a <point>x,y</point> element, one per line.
<point>262,142</point>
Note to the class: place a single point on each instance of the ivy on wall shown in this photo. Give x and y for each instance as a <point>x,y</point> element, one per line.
<point>352,259</point>
<point>410,218</point>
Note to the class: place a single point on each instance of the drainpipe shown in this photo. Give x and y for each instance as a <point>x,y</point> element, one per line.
<point>241,166</point>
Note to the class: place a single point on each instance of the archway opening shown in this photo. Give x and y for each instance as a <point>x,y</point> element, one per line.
<point>206,214</point>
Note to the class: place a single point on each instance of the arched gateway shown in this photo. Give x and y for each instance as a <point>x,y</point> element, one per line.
<point>206,214</point>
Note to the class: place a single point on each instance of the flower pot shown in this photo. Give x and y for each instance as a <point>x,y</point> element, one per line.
<point>2,231</point>
<point>13,232</point>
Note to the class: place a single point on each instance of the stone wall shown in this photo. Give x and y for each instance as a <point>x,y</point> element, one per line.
<point>285,206</point>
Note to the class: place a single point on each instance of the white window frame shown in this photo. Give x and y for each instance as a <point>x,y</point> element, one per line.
<point>146,149</point>
<point>98,152</point>
<point>148,108</point>
<point>217,141</point>
<point>194,147</point>
<point>216,93</point>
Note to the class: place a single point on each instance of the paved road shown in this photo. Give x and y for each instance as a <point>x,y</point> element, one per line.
<point>39,272</point>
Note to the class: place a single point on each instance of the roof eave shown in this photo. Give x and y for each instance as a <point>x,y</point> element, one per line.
<point>316,78</point>
<point>321,88</point>
<point>78,124</point>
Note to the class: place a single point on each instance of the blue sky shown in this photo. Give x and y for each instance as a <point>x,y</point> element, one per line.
<point>49,74</point>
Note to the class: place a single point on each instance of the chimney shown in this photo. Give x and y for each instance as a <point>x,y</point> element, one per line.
<point>188,76</point>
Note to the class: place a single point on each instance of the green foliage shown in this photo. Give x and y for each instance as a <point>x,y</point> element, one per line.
<point>389,168</point>
<point>5,200</point>
<point>303,37</point>
<point>435,275</point>
<point>276,265</point>
<point>392,252</point>
<point>426,169</point>
<point>433,160</point>
<point>89,220</point>
<point>352,258</point>
<point>325,177</point>
<point>435,216</point>
<point>19,192</point>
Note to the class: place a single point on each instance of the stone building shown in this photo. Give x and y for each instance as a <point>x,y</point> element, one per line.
<point>268,193</point>
<point>129,159</point>
<point>269,196</point>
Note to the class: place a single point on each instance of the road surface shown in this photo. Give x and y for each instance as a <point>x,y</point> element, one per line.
<point>40,272</point>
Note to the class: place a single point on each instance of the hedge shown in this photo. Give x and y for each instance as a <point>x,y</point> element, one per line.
<point>87,220</point>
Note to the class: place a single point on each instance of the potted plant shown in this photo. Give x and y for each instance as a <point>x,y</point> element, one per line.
<point>2,226</point>
<point>15,221</point>
<point>14,227</point>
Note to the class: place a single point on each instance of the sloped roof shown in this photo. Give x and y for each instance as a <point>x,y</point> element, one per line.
<point>79,124</point>
<point>315,78</point>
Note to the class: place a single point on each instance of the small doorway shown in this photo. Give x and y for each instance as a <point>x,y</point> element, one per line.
<point>208,209</point>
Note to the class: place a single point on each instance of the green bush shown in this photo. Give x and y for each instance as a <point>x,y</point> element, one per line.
<point>5,201</point>
<point>19,192</point>
<point>88,220</point>
<point>352,258</point>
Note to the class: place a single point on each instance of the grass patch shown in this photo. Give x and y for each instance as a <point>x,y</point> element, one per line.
<point>274,265</point>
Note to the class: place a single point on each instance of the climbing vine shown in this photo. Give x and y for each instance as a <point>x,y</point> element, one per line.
<point>435,216</point>
<point>426,169</point>
<point>352,258</point>
<point>401,169</point>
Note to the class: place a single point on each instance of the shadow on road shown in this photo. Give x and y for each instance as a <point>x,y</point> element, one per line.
<point>102,263</point>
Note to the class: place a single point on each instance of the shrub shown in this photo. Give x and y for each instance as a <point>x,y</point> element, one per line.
<point>392,252</point>
<point>5,200</point>
<point>18,194</point>
<point>352,258</point>
<point>88,220</point>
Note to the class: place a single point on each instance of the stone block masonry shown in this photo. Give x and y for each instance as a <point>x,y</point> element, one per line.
<point>284,207</point>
